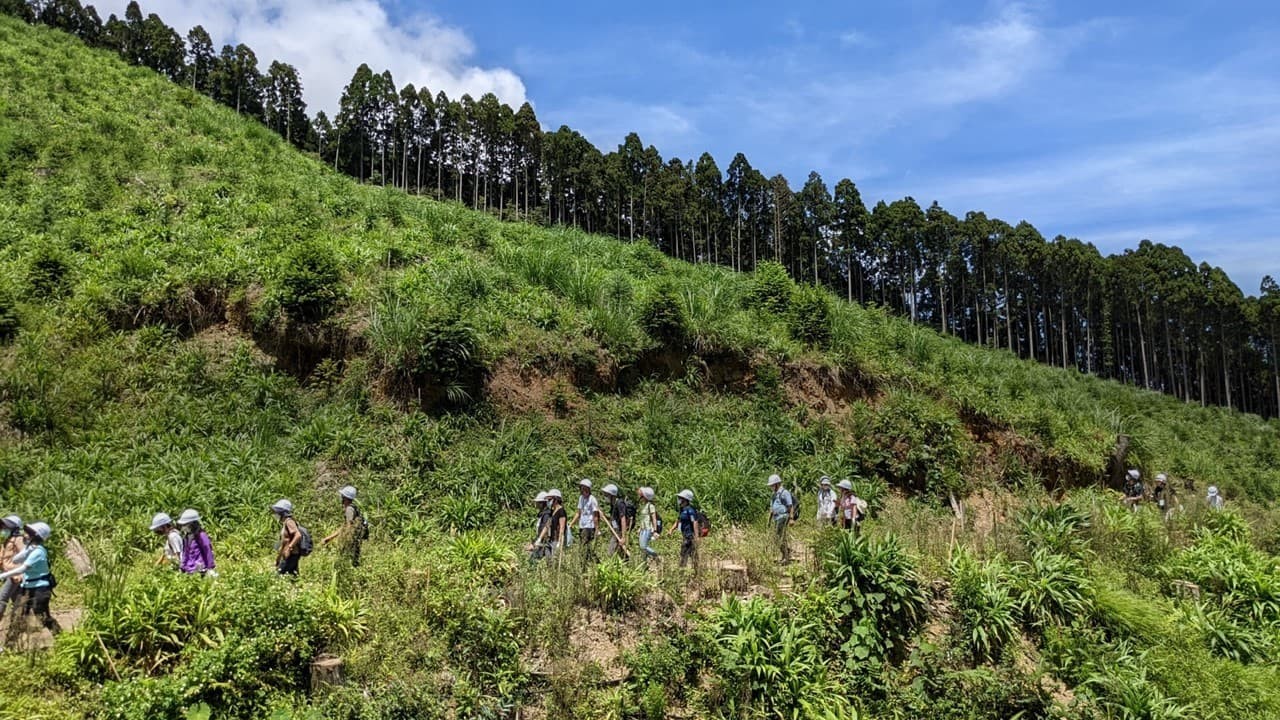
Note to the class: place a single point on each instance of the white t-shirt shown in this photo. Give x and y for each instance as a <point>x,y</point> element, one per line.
<point>173,546</point>
<point>587,508</point>
<point>826,503</point>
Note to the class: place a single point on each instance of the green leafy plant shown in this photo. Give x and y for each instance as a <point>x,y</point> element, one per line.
<point>309,286</point>
<point>770,289</point>
<point>617,586</point>
<point>985,606</point>
<point>809,316</point>
<point>663,317</point>
<point>878,591</point>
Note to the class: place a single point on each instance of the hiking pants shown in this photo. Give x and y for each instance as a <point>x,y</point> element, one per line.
<point>9,590</point>
<point>289,565</point>
<point>688,551</point>
<point>780,536</point>
<point>33,601</point>
<point>588,538</point>
<point>646,537</point>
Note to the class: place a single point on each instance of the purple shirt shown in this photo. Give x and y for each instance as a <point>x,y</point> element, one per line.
<point>197,553</point>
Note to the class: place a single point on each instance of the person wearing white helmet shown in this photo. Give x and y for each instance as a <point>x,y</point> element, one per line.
<point>848,502</point>
<point>197,549</point>
<point>557,531</point>
<point>32,565</point>
<point>690,532</point>
<point>622,515</point>
<point>1133,489</point>
<point>647,521</point>
<point>826,503</point>
<point>289,545</point>
<point>354,529</point>
<point>1162,494</point>
<point>587,518</point>
<point>1214,498</point>
<point>14,543</point>
<point>538,548</point>
<point>781,509</point>
<point>162,525</point>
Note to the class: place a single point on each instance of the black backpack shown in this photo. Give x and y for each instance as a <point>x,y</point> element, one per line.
<point>305,545</point>
<point>362,532</point>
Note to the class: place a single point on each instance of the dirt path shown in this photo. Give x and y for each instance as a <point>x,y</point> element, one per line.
<point>36,637</point>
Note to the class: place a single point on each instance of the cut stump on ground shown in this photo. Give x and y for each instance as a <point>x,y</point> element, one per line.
<point>733,577</point>
<point>326,670</point>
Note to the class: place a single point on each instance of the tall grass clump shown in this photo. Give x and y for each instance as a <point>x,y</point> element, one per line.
<point>879,593</point>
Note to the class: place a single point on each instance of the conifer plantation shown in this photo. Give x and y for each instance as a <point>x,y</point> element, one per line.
<point>210,299</point>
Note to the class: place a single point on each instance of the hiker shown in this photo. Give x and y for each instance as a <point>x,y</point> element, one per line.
<point>689,528</point>
<point>827,502</point>
<point>197,549</point>
<point>37,582</point>
<point>538,548</point>
<point>289,546</point>
<point>162,524</point>
<point>850,507</point>
<point>354,529</point>
<point>587,518</point>
<point>11,531</point>
<point>780,515</point>
<point>1133,489</point>
<point>1214,498</point>
<point>557,532</point>
<point>1163,495</point>
<point>622,515</point>
<point>647,518</point>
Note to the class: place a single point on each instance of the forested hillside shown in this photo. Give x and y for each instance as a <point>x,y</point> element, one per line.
<point>195,314</point>
<point>1150,316</point>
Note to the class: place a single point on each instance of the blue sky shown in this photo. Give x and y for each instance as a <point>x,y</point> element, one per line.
<point>1111,122</point>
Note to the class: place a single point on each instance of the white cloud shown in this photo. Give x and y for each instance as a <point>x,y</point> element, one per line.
<point>855,38</point>
<point>328,39</point>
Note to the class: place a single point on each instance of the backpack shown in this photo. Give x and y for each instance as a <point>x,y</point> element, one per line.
<point>862,508</point>
<point>795,506</point>
<point>629,512</point>
<point>362,531</point>
<point>658,525</point>
<point>305,545</point>
<point>704,525</point>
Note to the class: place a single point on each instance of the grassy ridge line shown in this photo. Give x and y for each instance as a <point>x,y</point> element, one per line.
<point>149,204</point>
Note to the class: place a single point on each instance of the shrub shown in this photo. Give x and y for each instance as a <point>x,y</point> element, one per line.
<point>766,656</point>
<point>47,273</point>
<point>876,582</point>
<point>1058,528</point>
<point>663,317</point>
<point>310,282</point>
<point>986,611</point>
<point>809,317</point>
<point>770,289</point>
<point>9,322</point>
<point>617,586</point>
<point>1051,588</point>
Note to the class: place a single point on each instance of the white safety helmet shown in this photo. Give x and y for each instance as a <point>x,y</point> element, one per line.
<point>282,506</point>
<point>540,497</point>
<point>584,482</point>
<point>348,492</point>
<point>554,493</point>
<point>40,530</point>
<point>685,495</point>
<point>1133,473</point>
<point>774,480</point>
<point>1162,478</point>
<point>825,480</point>
<point>845,485</point>
<point>647,493</point>
<point>188,516</point>
<point>1213,490</point>
<point>13,522</point>
<point>160,520</point>
<point>611,490</point>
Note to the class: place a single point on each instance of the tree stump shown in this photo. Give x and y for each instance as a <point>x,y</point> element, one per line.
<point>1186,589</point>
<point>1118,462</point>
<point>79,558</point>
<point>326,670</point>
<point>733,577</point>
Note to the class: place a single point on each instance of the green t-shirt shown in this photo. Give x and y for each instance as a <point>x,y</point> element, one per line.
<point>646,517</point>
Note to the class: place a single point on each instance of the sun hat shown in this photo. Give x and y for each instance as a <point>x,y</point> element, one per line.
<point>160,520</point>
<point>774,480</point>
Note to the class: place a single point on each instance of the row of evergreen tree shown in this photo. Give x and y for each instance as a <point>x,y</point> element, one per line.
<point>1149,316</point>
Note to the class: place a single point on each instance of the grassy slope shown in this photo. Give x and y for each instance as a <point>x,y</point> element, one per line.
<point>155,208</point>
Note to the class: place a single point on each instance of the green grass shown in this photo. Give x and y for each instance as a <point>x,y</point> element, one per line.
<point>194,314</point>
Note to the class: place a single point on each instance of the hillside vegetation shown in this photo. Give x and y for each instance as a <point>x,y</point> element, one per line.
<point>194,314</point>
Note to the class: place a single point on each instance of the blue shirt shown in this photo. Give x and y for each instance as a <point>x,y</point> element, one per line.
<point>781,506</point>
<point>687,517</point>
<point>36,559</point>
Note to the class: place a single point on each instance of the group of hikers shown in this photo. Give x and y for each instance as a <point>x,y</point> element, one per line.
<point>26,580</point>
<point>188,549</point>
<point>1134,493</point>
<point>554,528</point>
